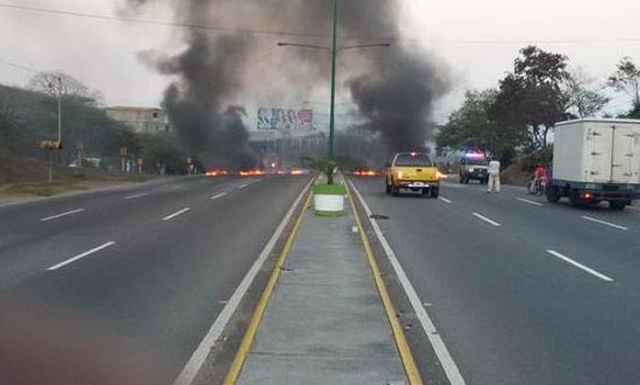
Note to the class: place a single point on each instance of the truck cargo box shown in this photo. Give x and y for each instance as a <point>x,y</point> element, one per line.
<point>602,151</point>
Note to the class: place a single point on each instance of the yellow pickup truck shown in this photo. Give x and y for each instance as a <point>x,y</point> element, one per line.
<point>413,171</point>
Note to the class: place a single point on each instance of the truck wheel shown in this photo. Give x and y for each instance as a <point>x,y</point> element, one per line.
<point>553,195</point>
<point>435,192</point>
<point>395,191</point>
<point>617,205</point>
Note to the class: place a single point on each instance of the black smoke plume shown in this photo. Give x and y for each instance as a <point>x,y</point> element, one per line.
<point>395,88</point>
<point>207,73</point>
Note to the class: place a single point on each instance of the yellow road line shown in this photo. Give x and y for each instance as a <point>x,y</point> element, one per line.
<point>410,367</point>
<point>258,314</point>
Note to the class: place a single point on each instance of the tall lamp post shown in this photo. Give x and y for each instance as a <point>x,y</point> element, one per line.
<point>335,50</point>
<point>59,108</point>
<point>58,92</point>
<point>332,119</point>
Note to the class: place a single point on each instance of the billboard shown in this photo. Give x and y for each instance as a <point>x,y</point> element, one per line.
<point>282,119</point>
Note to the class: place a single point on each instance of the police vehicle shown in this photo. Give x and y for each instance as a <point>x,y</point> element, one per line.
<point>474,165</point>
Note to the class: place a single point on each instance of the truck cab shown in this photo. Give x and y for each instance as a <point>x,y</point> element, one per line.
<point>412,171</point>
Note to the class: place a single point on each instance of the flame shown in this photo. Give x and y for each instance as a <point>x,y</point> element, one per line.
<point>219,172</point>
<point>254,172</point>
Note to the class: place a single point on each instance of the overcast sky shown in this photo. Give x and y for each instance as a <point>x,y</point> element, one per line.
<point>477,39</point>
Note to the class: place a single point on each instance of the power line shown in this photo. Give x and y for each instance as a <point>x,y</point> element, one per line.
<point>18,66</point>
<point>391,37</point>
<point>160,22</point>
<point>514,42</point>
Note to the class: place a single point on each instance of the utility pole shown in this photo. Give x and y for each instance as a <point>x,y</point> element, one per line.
<point>334,49</point>
<point>333,82</point>
<point>59,108</point>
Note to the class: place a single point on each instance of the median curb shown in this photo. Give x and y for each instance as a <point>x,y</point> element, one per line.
<point>325,315</point>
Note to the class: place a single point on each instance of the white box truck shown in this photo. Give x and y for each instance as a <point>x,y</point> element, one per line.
<point>596,160</point>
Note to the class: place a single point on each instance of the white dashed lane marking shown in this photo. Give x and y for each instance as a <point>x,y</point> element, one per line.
<point>80,256</point>
<point>171,216</point>
<point>595,220</point>
<point>580,266</point>
<point>529,202</point>
<point>136,196</point>
<point>489,221</point>
<point>46,219</point>
<point>217,196</point>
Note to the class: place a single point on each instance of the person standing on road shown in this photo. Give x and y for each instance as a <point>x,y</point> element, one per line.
<point>494,176</point>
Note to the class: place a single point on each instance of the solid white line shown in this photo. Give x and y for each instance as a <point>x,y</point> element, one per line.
<point>580,266</point>
<point>61,215</point>
<point>243,185</point>
<point>168,217</point>
<point>448,365</point>
<point>530,202</point>
<point>219,195</point>
<point>486,219</point>
<point>605,223</point>
<point>136,196</point>
<point>444,199</point>
<point>191,369</point>
<point>79,256</point>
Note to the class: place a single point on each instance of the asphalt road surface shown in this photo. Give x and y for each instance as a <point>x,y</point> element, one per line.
<point>137,273</point>
<point>522,291</point>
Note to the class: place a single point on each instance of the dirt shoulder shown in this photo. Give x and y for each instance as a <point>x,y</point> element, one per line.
<point>29,190</point>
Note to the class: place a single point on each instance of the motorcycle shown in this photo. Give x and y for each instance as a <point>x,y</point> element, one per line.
<point>537,187</point>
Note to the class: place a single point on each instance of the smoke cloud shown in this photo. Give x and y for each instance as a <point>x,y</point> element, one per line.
<point>394,88</point>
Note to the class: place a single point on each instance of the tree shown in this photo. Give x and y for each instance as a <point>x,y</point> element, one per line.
<point>634,113</point>
<point>627,79</point>
<point>471,127</point>
<point>582,101</point>
<point>160,150</point>
<point>531,98</point>
<point>57,83</point>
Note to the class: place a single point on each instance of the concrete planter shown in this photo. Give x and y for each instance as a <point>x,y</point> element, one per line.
<point>328,200</point>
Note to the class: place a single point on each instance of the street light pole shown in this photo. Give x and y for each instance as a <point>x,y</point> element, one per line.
<point>333,82</point>
<point>59,109</point>
<point>334,53</point>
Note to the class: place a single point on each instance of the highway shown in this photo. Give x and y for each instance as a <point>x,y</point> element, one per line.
<point>520,290</point>
<point>143,270</point>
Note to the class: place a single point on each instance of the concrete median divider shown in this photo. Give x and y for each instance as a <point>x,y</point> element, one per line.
<point>325,315</point>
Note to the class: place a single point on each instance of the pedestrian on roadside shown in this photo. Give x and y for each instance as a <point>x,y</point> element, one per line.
<point>494,176</point>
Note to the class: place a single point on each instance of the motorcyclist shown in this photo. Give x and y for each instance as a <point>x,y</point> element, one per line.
<point>539,177</point>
